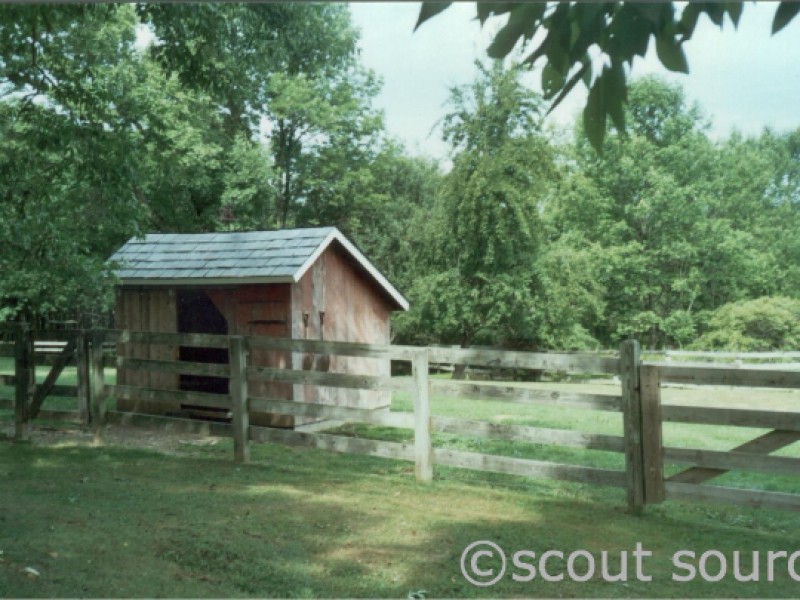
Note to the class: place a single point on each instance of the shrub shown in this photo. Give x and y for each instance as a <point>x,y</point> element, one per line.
<point>754,325</point>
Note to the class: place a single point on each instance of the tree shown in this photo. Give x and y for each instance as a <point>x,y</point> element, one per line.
<point>326,140</point>
<point>389,203</point>
<point>774,160</point>
<point>238,116</point>
<point>287,72</point>
<point>66,154</point>
<point>484,234</point>
<point>99,145</point>
<point>638,202</point>
<point>230,51</point>
<point>572,33</point>
<point>684,225</point>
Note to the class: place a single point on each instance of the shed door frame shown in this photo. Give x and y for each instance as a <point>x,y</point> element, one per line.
<point>197,313</point>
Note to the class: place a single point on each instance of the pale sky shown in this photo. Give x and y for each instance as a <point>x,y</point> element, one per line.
<point>743,79</point>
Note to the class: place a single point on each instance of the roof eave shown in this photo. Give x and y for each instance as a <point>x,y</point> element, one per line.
<point>362,260</point>
<point>199,281</point>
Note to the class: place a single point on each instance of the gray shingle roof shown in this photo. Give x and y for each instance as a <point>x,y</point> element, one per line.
<point>235,257</point>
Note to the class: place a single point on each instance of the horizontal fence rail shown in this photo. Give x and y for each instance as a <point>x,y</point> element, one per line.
<point>737,417</point>
<point>338,380</point>
<point>734,355</point>
<point>533,435</point>
<point>175,367</point>
<point>335,443</point>
<point>529,468</point>
<point>323,411</point>
<point>194,340</point>
<point>638,402</point>
<point>177,397</point>
<point>524,360</point>
<point>521,395</point>
<point>338,348</point>
<point>733,461</point>
<point>704,374</point>
<point>729,495</point>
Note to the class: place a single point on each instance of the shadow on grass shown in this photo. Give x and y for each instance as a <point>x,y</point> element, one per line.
<point>114,522</point>
<point>567,527</point>
<point>299,523</point>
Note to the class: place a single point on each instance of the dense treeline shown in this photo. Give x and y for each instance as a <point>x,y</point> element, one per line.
<point>538,245</point>
<point>260,116</point>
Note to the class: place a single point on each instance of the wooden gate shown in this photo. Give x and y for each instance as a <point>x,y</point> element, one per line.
<point>704,465</point>
<point>55,350</point>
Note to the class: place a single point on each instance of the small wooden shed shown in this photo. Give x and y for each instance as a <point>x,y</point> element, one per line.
<point>298,283</point>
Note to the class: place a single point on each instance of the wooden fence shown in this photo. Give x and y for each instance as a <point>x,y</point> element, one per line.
<point>779,361</point>
<point>704,464</point>
<point>638,401</point>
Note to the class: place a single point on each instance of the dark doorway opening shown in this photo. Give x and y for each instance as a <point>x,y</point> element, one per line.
<point>198,314</point>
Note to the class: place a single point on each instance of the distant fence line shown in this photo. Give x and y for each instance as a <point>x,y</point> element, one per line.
<point>638,401</point>
<point>777,360</point>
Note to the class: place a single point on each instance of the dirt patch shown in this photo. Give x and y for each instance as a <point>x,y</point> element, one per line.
<point>115,435</point>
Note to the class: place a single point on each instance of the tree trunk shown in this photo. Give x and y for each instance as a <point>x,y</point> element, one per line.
<point>459,371</point>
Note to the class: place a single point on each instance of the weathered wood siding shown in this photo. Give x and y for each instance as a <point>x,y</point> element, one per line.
<point>251,310</point>
<point>260,310</point>
<point>335,301</point>
<point>143,309</point>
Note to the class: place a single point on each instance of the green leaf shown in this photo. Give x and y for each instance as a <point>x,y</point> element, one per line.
<point>585,14</point>
<point>522,22</point>
<point>589,23</point>
<point>504,41</point>
<point>487,9</point>
<point>689,20</point>
<point>614,94</point>
<point>735,12</point>
<point>671,54</point>
<point>785,13</point>
<point>630,33</point>
<point>655,12</point>
<point>715,12</point>
<point>594,116</point>
<point>553,80</point>
<point>570,84</point>
<point>430,9</point>
<point>558,45</point>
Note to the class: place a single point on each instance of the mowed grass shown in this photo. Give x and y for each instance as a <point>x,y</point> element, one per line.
<point>303,523</point>
<point>709,437</point>
<point>300,523</point>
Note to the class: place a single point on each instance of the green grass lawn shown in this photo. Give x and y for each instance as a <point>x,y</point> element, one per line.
<point>121,522</point>
<point>678,435</point>
<point>117,521</point>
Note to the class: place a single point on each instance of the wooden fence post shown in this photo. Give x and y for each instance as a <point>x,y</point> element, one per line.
<point>423,449</point>
<point>652,447</point>
<point>632,424</point>
<point>25,376</point>
<point>239,397</point>
<point>97,384</point>
<point>82,371</point>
